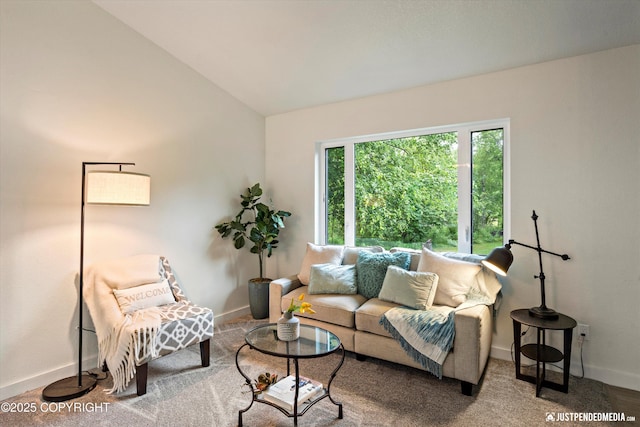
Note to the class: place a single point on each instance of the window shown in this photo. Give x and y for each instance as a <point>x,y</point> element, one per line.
<point>444,186</point>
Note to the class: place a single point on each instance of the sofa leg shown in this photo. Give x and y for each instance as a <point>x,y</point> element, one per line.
<point>141,378</point>
<point>204,352</point>
<point>467,388</point>
<point>360,357</point>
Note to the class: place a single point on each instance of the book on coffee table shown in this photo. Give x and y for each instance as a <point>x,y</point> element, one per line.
<point>283,392</point>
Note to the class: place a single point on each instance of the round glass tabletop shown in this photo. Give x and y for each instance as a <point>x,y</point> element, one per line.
<point>313,342</point>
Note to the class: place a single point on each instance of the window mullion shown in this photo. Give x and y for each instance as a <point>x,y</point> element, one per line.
<point>321,193</point>
<point>464,191</point>
<point>349,195</point>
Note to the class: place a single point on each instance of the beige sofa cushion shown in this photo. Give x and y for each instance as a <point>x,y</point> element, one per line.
<point>330,308</point>
<point>369,314</point>
<point>351,253</point>
<point>454,277</point>
<point>317,254</point>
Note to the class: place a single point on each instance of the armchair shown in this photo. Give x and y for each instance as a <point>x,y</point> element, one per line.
<point>140,313</point>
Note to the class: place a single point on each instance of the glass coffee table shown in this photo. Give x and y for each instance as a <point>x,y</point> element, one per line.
<point>313,342</point>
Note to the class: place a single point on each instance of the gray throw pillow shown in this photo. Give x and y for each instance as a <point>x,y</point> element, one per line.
<point>332,279</point>
<point>409,288</point>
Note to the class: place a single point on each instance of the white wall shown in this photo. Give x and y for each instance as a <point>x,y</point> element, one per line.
<point>78,85</point>
<point>575,159</point>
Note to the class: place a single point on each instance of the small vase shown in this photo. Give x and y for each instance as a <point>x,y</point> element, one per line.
<point>288,327</point>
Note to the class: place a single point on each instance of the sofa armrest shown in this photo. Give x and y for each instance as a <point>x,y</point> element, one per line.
<point>278,288</point>
<point>472,342</point>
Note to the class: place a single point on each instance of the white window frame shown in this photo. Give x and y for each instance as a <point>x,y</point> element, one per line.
<point>464,132</point>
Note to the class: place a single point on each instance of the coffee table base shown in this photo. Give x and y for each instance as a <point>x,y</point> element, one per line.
<point>296,411</point>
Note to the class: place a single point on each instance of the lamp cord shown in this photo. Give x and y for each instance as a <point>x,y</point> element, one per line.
<point>93,374</point>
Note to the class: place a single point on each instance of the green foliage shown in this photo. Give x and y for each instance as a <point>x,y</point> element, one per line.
<point>335,195</point>
<point>406,190</point>
<point>487,183</point>
<point>262,228</point>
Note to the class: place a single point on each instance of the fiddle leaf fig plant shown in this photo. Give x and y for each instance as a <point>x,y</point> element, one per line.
<point>257,223</point>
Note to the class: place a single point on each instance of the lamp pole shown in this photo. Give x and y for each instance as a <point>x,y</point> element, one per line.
<point>543,311</point>
<point>81,279</point>
<point>72,387</point>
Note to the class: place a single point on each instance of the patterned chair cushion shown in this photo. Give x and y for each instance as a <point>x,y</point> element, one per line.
<point>183,323</point>
<point>167,273</point>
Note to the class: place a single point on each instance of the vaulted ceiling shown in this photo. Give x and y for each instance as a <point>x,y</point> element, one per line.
<point>283,55</point>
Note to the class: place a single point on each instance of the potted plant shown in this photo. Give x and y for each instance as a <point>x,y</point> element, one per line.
<point>261,227</point>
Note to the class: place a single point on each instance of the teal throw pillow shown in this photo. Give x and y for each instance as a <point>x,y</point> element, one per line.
<point>409,288</point>
<point>372,267</point>
<point>332,279</point>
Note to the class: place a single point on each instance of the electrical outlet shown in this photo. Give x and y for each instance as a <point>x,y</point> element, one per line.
<point>583,332</point>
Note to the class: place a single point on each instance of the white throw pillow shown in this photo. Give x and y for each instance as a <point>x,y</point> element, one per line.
<point>316,254</point>
<point>455,277</point>
<point>409,288</point>
<point>144,296</point>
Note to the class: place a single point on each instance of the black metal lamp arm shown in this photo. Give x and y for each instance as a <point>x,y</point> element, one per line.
<point>543,310</point>
<point>513,242</point>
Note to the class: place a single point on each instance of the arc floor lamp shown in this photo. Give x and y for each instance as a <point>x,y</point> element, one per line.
<point>103,188</point>
<point>500,259</point>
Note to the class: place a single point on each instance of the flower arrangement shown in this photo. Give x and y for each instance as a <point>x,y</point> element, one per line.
<point>303,307</point>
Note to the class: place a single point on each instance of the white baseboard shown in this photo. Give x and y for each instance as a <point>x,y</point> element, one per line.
<point>89,363</point>
<point>230,315</point>
<point>46,378</point>
<point>607,376</point>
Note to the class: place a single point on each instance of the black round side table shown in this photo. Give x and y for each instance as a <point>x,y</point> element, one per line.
<point>540,352</point>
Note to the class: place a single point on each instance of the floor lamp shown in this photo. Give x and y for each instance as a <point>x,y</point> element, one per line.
<point>101,188</point>
<point>500,259</point>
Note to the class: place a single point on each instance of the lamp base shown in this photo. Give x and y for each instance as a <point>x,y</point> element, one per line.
<point>543,312</point>
<point>67,388</point>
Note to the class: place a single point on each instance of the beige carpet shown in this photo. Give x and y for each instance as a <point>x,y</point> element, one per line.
<point>374,393</point>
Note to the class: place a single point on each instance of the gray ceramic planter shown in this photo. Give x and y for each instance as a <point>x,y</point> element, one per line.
<point>259,298</point>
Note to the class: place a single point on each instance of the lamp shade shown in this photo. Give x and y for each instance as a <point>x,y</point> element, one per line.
<point>117,188</point>
<point>499,261</point>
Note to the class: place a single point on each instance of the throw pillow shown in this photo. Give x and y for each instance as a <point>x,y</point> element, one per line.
<point>144,296</point>
<point>409,288</point>
<point>415,256</point>
<point>350,255</point>
<point>316,254</point>
<point>372,267</point>
<point>455,277</point>
<point>332,279</point>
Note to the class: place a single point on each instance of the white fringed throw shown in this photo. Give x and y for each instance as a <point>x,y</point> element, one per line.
<point>122,339</point>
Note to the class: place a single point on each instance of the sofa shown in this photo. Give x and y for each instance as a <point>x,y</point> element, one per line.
<point>355,316</point>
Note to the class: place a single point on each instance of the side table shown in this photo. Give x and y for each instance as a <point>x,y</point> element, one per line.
<point>540,352</point>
